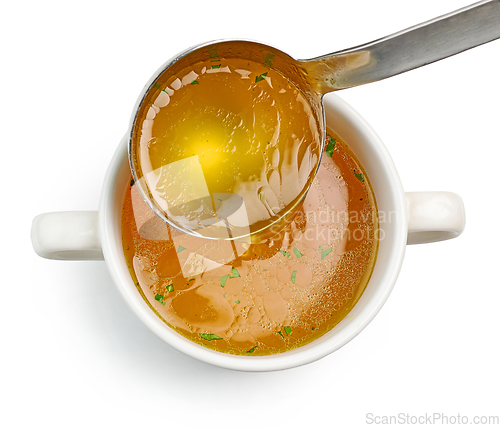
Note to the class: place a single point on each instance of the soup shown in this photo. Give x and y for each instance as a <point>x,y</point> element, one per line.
<point>266,298</point>
<point>226,147</point>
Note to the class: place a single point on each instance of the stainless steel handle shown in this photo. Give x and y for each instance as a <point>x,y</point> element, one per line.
<point>408,49</point>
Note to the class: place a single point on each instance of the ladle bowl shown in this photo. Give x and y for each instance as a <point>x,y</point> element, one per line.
<point>403,51</point>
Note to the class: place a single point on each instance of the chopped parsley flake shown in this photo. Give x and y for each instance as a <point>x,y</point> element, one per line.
<point>269,59</point>
<point>170,288</point>
<point>285,253</point>
<point>294,274</point>
<point>192,279</point>
<point>288,330</point>
<point>297,253</point>
<point>181,248</point>
<point>251,350</point>
<point>216,66</point>
<point>212,51</point>
<point>261,77</point>
<point>223,280</point>
<point>159,298</point>
<point>209,336</point>
<point>360,176</point>
<point>330,146</point>
<point>234,273</point>
<point>195,82</point>
<point>281,334</point>
<point>237,301</point>
<point>324,253</point>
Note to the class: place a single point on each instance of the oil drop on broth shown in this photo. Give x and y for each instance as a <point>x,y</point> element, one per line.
<point>265,298</point>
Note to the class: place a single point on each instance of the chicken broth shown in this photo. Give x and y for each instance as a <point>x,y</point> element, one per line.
<point>226,147</point>
<point>267,298</point>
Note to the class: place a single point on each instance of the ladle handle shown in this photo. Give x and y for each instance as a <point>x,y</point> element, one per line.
<point>408,49</point>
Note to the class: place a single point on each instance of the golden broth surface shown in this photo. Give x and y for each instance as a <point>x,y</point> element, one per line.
<point>266,298</point>
<point>222,134</point>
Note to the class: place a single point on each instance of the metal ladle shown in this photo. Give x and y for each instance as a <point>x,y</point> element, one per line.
<point>406,50</point>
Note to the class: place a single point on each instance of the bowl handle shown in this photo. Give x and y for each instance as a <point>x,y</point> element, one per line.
<point>67,235</point>
<point>434,216</point>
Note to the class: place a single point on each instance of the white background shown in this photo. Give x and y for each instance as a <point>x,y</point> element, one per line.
<point>72,353</point>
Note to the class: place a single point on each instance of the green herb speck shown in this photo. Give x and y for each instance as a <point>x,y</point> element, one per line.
<point>360,176</point>
<point>210,336</point>
<point>281,334</point>
<point>260,77</point>
<point>234,273</point>
<point>216,66</point>
<point>324,253</point>
<point>251,350</point>
<point>320,248</point>
<point>181,248</point>
<point>297,253</point>
<point>195,82</point>
<point>237,301</point>
<point>223,280</point>
<point>269,59</point>
<point>212,51</point>
<point>192,279</point>
<point>330,146</point>
<point>285,253</point>
<point>159,298</point>
<point>170,288</point>
<point>294,274</point>
<point>288,330</point>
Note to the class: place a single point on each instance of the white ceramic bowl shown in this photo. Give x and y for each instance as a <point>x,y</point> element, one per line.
<point>412,217</point>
